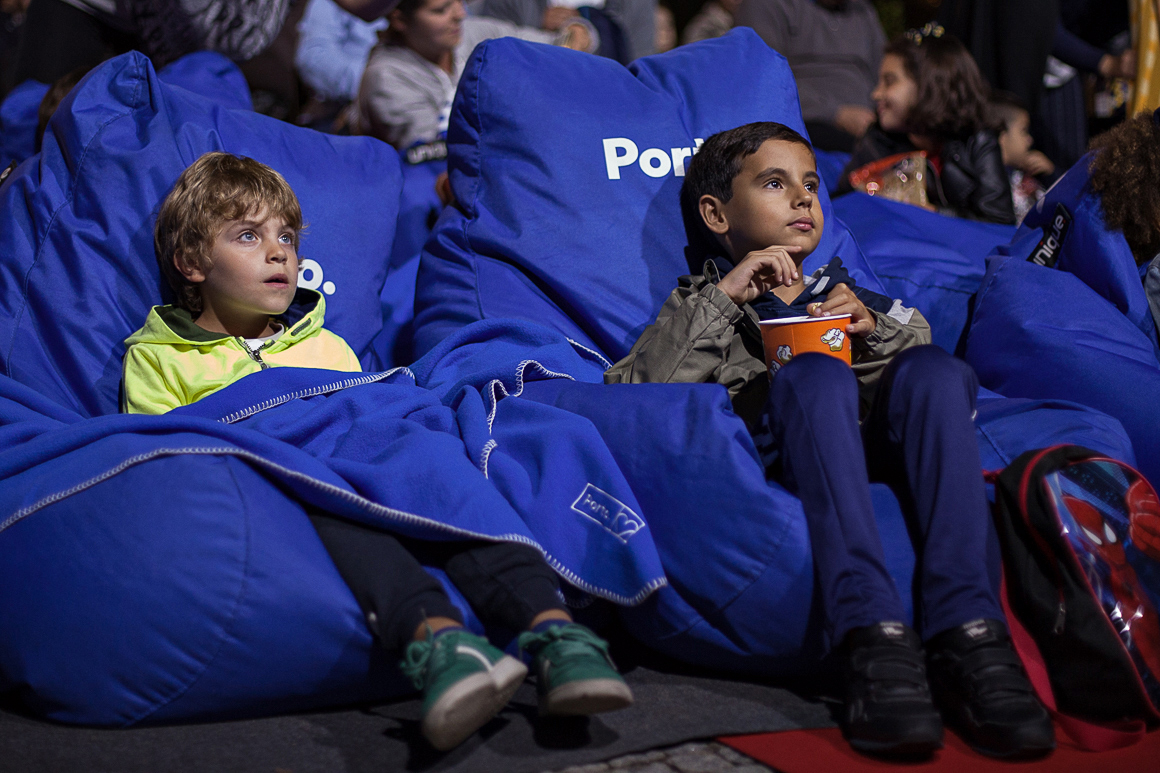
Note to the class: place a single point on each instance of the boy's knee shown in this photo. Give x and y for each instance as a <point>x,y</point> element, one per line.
<point>930,367</point>
<point>817,375</point>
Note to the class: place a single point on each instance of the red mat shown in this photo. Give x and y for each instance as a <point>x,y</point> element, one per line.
<point>824,751</point>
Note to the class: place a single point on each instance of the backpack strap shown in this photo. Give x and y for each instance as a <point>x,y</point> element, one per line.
<point>1088,736</point>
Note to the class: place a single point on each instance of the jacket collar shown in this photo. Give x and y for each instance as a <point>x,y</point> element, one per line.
<point>769,306</point>
<point>173,325</point>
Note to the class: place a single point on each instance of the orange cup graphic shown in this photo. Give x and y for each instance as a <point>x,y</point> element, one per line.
<point>786,338</point>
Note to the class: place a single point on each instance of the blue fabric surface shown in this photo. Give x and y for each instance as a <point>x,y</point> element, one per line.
<point>830,166</point>
<point>568,184</point>
<point>78,272</point>
<point>932,262</point>
<point>18,121</point>
<point>418,210</point>
<point>1042,333</point>
<point>1081,331</point>
<point>207,73</point>
<point>1098,256</point>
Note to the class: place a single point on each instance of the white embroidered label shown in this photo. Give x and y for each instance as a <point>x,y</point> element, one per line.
<point>608,511</point>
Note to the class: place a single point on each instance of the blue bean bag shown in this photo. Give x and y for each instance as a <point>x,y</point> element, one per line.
<point>567,184</point>
<point>932,262</point>
<point>207,73</point>
<point>566,171</point>
<point>157,576</point>
<point>1062,314</point>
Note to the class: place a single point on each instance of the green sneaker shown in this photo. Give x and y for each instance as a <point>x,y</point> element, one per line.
<point>465,682</point>
<point>574,674</point>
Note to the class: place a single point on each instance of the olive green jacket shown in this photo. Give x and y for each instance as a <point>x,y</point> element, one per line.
<point>702,336</point>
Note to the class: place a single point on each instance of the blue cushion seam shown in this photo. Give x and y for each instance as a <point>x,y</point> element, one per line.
<point>479,169</point>
<point>927,286</point>
<point>48,230</point>
<point>998,451</point>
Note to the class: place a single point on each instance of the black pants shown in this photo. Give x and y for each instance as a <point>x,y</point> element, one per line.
<point>506,584</point>
<point>59,38</point>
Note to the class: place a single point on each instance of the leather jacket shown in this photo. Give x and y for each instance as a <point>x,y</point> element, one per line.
<point>973,183</point>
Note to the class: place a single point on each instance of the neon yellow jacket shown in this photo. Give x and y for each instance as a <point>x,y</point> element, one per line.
<point>172,362</point>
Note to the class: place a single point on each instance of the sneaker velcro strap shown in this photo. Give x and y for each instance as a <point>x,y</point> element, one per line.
<point>989,658</point>
<point>893,669</point>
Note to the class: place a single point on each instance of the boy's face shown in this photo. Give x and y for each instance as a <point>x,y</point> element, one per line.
<point>252,272</point>
<point>775,202</point>
<point>1015,140</point>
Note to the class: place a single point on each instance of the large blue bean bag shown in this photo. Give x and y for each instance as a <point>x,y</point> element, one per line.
<point>1062,314</point>
<point>566,171</point>
<point>160,577</point>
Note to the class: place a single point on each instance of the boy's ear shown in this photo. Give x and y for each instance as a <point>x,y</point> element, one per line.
<point>191,270</point>
<point>713,213</point>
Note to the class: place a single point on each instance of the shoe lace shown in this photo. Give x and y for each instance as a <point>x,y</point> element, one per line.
<point>417,659</point>
<point>569,640</point>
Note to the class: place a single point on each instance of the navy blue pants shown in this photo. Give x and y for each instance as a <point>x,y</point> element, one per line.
<point>919,438</point>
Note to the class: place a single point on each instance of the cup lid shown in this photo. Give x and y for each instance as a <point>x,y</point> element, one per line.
<point>795,320</point>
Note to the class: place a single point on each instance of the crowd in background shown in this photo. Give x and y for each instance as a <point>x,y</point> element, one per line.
<point>974,85</point>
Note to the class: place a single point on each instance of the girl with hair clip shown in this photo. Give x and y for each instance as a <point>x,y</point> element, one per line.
<point>931,97</point>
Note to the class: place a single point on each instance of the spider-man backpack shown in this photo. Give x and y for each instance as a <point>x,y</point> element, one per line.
<point>1080,535</point>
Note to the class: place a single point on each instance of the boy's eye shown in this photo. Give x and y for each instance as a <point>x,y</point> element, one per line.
<point>812,187</point>
<point>773,184</point>
<point>247,236</point>
<point>286,239</point>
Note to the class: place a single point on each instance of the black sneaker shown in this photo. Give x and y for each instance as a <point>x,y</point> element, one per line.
<point>984,694</point>
<point>888,707</point>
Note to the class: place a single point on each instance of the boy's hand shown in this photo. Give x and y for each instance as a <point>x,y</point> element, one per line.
<point>842,300</point>
<point>759,273</point>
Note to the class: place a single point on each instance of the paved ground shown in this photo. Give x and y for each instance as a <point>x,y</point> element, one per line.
<point>698,757</point>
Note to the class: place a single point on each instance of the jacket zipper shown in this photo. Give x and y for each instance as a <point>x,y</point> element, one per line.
<point>255,354</point>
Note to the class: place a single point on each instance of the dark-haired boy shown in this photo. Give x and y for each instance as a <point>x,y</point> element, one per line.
<point>752,199</point>
<point>227,242</point>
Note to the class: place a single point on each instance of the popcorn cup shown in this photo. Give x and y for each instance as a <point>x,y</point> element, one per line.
<point>786,338</point>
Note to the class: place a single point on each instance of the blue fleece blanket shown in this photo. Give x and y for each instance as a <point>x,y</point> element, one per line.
<point>450,464</point>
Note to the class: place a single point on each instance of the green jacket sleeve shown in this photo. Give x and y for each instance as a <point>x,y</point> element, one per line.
<point>143,386</point>
<point>695,339</point>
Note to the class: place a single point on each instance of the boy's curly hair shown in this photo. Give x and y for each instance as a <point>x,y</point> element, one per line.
<point>1125,168</point>
<point>215,189</point>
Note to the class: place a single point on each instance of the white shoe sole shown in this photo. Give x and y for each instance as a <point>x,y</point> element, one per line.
<point>470,703</point>
<point>588,696</point>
